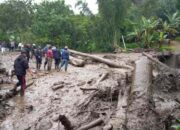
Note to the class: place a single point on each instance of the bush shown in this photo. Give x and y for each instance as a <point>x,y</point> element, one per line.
<point>166,48</point>
<point>178,38</point>
<point>132,45</point>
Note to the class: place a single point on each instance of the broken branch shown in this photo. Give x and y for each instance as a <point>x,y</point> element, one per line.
<point>92,124</point>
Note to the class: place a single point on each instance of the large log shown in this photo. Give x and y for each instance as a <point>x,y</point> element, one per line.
<point>120,119</point>
<point>140,113</point>
<point>102,60</point>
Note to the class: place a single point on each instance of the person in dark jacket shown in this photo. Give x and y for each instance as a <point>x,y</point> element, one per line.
<point>65,58</point>
<point>38,55</point>
<point>20,67</point>
<point>57,57</point>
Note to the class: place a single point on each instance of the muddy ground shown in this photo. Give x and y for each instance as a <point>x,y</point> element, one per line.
<point>42,103</point>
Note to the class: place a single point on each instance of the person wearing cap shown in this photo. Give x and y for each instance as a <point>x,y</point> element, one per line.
<point>20,67</point>
<point>65,58</point>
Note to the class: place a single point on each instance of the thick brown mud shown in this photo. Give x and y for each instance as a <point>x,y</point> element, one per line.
<point>41,105</point>
<point>62,93</point>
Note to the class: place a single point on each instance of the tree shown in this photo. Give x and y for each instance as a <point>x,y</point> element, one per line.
<point>52,23</point>
<point>113,13</point>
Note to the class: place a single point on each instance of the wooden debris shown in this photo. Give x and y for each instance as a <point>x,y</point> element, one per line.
<point>65,122</point>
<point>95,86</point>
<point>88,89</point>
<point>54,88</point>
<point>11,94</point>
<point>101,60</point>
<point>155,60</point>
<point>92,124</point>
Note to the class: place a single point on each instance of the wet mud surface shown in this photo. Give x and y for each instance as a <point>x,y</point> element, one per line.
<point>67,94</point>
<point>41,105</point>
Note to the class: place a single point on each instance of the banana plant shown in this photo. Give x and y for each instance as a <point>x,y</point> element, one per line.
<point>173,19</point>
<point>145,31</point>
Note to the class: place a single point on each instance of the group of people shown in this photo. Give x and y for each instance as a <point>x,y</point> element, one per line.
<point>7,46</point>
<point>50,53</point>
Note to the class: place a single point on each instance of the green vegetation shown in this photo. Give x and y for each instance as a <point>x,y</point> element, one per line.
<point>176,127</point>
<point>145,22</point>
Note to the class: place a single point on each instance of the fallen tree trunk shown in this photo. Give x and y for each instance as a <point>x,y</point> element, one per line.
<point>92,124</point>
<point>76,62</point>
<point>120,118</point>
<point>101,60</point>
<point>140,112</point>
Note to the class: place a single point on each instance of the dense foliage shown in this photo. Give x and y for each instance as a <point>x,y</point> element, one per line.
<point>145,22</point>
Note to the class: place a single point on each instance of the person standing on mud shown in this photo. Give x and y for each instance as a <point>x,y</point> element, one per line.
<point>65,58</point>
<point>38,55</point>
<point>57,57</point>
<point>45,55</point>
<point>20,67</point>
<point>49,56</point>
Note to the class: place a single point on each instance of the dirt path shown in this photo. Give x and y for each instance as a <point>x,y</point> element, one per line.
<point>40,105</point>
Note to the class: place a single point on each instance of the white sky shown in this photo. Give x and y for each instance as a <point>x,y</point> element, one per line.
<point>91,4</point>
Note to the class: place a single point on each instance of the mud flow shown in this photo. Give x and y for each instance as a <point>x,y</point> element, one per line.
<point>93,97</point>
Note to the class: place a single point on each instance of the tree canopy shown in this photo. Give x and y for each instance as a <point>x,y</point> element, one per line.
<point>140,21</point>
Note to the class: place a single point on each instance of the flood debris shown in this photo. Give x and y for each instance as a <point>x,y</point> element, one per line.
<point>101,60</point>
<point>65,122</point>
<point>98,97</point>
<point>10,94</point>
<point>54,88</point>
<point>92,124</point>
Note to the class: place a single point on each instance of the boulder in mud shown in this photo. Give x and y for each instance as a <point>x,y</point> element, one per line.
<point>44,124</point>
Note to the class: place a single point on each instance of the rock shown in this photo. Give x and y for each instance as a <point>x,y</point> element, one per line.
<point>44,124</point>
